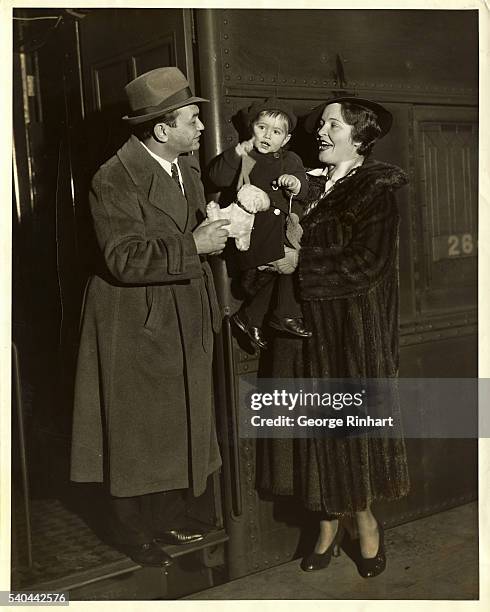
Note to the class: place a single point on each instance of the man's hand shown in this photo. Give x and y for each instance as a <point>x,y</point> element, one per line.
<point>210,237</point>
<point>289,182</point>
<point>243,148</point>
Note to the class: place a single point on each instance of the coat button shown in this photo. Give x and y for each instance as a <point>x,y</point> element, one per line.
<point>277,211</point>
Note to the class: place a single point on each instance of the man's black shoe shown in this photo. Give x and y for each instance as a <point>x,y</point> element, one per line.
<point>290,326</point>
<point>179,536</point>
<point>149,554</point>
<point>240,319</point>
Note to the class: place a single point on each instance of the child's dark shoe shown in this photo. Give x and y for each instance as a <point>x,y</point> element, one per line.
<point>255,334</point>
<point>293,326</point>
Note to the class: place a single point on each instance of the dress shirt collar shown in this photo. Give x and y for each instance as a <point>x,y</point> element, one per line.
<point>166,165</point>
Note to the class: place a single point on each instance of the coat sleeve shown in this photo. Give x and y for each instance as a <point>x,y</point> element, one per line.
<point>130,256</point>
<point>295,167</point>
<point>223,169</point>
<point>360,263</point>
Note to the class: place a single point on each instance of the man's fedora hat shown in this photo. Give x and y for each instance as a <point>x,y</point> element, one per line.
<point>271,104</point>
<point>157,92</point>
<point>385,118</point>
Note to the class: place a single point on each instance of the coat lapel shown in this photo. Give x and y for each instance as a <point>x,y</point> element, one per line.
<point>165,195</point>
<point>153,182</point>
<point>193,190</point>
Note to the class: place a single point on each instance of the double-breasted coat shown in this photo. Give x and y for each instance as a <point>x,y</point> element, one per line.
<point>143,416</point>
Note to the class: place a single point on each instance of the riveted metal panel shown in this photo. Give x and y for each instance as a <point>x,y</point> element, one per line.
<point>388,51</point>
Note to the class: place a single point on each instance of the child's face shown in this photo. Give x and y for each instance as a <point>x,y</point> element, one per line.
<point>270,133</point>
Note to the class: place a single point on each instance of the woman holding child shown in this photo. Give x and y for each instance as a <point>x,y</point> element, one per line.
<point>348,289</point>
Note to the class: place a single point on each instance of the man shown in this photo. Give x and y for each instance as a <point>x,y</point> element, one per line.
<point>143,419</point>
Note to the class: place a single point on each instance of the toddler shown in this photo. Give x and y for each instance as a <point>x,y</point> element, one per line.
<point>280,173</point>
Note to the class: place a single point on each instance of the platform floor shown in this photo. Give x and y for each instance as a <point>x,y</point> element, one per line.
<point>431,558</point>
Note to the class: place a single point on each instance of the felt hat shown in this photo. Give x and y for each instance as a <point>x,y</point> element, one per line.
<point>271,104</point>
<point>157,92</point>
<point>385,118</point>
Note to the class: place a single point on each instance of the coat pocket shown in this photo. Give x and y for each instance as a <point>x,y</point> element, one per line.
<point>159,347</point>
<point>150,324</point>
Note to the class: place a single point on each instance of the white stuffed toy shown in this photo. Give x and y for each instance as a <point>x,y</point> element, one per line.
<point>241,214</point>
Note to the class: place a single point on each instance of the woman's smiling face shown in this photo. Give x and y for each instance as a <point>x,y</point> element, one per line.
<point>334,137</point>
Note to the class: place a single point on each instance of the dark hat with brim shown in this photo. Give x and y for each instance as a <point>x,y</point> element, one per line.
<point>385,118</point>
<point>156,93</point>
<point>271,104</point>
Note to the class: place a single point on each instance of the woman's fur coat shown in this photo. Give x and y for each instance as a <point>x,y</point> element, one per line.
<point>348,280</point>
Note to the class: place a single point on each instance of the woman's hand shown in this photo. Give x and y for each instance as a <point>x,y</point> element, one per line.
<point>288,263</point>
<point>291,183</point>
<point>244,148</point>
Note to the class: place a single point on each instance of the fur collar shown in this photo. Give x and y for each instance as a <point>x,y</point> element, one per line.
<point>355,190</point>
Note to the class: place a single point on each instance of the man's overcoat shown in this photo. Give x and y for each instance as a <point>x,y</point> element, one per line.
<point>143,418</point>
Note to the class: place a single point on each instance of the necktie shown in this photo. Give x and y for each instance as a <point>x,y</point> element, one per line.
<point>175,176</point>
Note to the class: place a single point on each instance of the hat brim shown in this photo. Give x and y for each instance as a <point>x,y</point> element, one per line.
<point>385,118</point>
<point>134,120</point>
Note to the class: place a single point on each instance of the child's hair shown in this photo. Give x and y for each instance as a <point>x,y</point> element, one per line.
<point>273,114</point>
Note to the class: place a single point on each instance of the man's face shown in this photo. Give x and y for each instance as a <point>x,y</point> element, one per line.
<point>184,137</point>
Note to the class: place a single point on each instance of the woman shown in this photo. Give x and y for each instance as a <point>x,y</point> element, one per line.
<point>348,276</point>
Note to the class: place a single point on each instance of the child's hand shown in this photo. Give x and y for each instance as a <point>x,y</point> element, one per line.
<point>243,148</point>
<point>289,182</point>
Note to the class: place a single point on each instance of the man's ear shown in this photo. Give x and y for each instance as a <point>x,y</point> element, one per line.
<point>160,132</point>
<point>286,140</point>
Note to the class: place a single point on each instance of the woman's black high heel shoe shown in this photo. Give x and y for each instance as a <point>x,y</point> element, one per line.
<point>318,561</point>
<point>369,568</point>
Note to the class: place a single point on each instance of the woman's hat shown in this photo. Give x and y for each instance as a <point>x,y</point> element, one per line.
<point>385,118</point>
<point>271,104</point>
<point>157,92</point>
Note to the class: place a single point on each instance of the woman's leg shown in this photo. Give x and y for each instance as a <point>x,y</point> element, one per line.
<point>328,531</point>
<point>372,558</point>
<point>369,535</point>
<point>326,545</point>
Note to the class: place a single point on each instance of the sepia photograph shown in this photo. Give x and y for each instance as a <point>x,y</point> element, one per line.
<point>244,303</point>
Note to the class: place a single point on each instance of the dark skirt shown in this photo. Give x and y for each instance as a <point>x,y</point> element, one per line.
<point>334,475</point>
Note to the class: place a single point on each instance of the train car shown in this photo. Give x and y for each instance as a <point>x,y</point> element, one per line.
<point>69,68</point>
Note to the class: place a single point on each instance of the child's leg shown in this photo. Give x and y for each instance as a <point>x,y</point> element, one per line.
<point>287,307</point>
<point>258,306</point>
<point>250,318</point>
<point>287,316</point>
